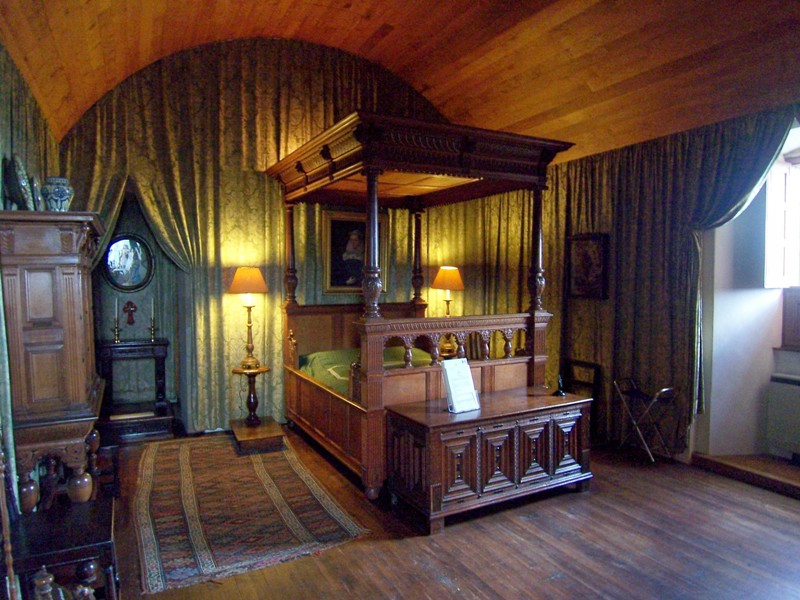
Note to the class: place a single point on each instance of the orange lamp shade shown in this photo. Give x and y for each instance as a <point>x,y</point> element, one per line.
<point>448,278</point>
<point>248,280</point>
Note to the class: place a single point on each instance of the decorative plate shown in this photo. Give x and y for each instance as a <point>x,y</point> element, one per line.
<point>19,188</point>
<point>36,192</point>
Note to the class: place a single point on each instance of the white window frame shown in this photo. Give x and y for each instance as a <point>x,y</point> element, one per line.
<point>782,252</point>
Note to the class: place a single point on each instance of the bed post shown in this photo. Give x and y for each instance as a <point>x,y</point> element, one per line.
<point>536,281</point>
<point>290,276</point>
<point>417,280</point>
<point>372,284</point>
<point>535,337</point>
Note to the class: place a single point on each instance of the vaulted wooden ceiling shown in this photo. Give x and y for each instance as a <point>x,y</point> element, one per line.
<point>599,73</point>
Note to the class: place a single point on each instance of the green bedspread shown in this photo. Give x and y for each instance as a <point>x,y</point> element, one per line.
<point>332,367</point>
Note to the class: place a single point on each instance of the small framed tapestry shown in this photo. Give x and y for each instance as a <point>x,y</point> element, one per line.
<point>344,244</point>
<point>588,265</point>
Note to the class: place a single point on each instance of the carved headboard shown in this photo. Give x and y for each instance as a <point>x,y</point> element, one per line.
<point>319,327</point>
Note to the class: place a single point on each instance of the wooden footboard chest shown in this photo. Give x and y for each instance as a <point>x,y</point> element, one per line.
<point>521,441</point>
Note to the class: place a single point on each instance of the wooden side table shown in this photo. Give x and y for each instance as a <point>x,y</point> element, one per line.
<point>156,349</point>
<point>74,541</point>
<point>252,397</point>
<point>254,433</point>
<point>134,421</point>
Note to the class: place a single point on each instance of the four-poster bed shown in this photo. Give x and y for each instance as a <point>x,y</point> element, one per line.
<point>418,165</point>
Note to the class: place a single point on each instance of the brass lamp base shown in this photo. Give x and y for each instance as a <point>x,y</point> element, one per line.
<point>250,362</point>
<point>448,347</point>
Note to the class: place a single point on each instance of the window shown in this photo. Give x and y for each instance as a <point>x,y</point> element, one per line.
<point>782,268</point>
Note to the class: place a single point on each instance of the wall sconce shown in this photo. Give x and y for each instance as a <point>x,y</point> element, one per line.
<point>448,278</point>
<point>248,281</point>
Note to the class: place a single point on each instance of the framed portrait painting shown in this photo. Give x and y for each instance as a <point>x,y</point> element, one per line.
<point>344,245</point>
<point>588,265</point>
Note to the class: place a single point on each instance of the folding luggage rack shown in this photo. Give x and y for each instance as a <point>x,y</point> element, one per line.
<point>644,412</point>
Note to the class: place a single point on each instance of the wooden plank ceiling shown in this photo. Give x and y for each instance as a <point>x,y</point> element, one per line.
<point>599,73</point>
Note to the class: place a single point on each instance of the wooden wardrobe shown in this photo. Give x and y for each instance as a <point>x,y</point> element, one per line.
<point>55,390</point>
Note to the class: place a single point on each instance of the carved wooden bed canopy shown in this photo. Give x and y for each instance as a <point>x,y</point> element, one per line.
<point>419,165</point>
<point>370,161</point>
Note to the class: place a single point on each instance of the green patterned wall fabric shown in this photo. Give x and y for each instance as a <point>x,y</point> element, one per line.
<point>193,134</point>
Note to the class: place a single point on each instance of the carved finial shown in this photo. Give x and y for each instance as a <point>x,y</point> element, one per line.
<point>43,584</point>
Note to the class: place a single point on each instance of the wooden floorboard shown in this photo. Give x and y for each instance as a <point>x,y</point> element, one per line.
<point>663,530</point>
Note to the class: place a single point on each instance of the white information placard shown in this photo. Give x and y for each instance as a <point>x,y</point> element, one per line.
<point>461,393</point>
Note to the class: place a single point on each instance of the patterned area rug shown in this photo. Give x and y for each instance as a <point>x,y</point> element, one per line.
<point>204,511</point>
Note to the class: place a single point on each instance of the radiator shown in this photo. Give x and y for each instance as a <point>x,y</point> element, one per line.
<point>783,414</point>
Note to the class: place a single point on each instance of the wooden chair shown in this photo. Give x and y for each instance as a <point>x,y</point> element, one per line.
<point>581,377</point>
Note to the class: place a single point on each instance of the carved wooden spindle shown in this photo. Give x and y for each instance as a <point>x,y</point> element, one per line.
<point>93,445</point>
<point>291,342</point>
<point>49,482</point>
<point>461,338</point>
<point>436,339</point>
<point>508,335</point>
<point>43,585</point>
<point>486,336</point>
<point>82,592</point>
<point>79,485</point>
<point>86,572</point>
<point>28,490</point>
<point>408,356</point>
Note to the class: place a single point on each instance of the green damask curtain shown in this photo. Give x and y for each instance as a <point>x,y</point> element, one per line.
<point>578,201</point>
<point>654,199</point>
<point>396,277</point>
<point>489,240</point>
<point>193,132</point>
<point>24,133</point>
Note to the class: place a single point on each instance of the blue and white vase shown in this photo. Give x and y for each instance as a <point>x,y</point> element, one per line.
<point>57,193</point>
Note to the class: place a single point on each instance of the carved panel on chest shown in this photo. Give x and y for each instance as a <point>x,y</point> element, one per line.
<point>534,453</point>
<point>566,444</point>
<point>499,464</point>
<point>460,473</point>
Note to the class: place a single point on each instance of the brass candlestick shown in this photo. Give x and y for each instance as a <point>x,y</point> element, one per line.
<point>116,330</point>
<point>153,329</point>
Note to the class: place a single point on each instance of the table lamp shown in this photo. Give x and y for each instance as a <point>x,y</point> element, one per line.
<point>248,281</point>
<point>448,278</point>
